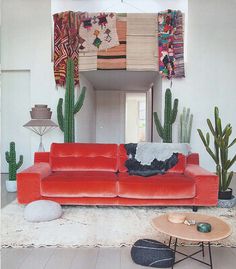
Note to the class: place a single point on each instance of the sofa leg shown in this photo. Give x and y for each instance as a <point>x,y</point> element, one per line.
<point>195,208</point>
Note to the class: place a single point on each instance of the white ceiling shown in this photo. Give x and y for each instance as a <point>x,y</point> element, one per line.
<point>121,79</point>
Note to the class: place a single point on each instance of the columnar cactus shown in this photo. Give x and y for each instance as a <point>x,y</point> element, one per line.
<point>66,122</point>
<point>11,159</point>
<point>169,118</point>
<point>185,126</point>
<point>220,152</point>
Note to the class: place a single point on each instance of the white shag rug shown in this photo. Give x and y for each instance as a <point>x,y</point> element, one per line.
<point>95,226</point>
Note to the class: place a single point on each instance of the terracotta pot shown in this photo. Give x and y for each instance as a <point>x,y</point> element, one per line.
<point>40,113</point>
<point>225,195</point>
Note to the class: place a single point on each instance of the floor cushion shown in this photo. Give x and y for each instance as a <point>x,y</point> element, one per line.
<point>167,186</point>
<point>80,184</point>
<point>152,253</point>
<point>42,210</point>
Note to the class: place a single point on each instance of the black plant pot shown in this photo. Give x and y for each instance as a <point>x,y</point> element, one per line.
<point>225,195</point>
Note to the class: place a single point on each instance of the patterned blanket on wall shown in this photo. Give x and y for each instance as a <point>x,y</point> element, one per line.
<point>66,44</point>
<point>98,31</point>
<point>171,44</point>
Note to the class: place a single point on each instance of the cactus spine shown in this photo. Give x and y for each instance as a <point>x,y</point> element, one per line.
<point>66,122</point>
<point>169,118</point>
<point>185,127</point>
<point>11,159</point>
<point>220,152</point>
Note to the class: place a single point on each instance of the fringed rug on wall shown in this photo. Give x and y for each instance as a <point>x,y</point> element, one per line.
<point>96,226</point>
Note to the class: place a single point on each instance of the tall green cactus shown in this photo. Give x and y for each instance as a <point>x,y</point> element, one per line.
<point>11,159</point>
<point>66,122</point>
<point>220,152</point>
<point>185,126</point>
<point>169,118</point>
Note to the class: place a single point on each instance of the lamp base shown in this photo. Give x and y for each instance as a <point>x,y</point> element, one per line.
<point>41,147</point>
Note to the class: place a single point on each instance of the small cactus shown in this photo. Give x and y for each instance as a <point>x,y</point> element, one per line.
<point>11,159</point>
<point>185,126</point>
<point>165,132</point>
<point>66,122</point>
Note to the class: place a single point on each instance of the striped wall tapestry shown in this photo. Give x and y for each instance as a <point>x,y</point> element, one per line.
<point>140,42</point>
<point>171,44</point>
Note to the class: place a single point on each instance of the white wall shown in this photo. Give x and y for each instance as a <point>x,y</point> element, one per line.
<point>85,120</point>
<point>210,69</point>
<point>110,116</point>
<point>26,47</point>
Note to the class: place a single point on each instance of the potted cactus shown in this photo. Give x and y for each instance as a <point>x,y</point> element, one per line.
<point>13,166</point>
<point>220,153</point>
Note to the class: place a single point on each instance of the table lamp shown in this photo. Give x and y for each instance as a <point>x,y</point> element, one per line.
<point>40,122</point>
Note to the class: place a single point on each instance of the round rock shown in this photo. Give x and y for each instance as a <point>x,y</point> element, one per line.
<point>148,252</point>
<point>42,210</point>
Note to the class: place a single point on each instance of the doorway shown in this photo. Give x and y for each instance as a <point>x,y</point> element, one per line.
<point>135,117</point>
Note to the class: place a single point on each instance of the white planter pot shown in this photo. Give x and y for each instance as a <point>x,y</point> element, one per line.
<point>11,185</point>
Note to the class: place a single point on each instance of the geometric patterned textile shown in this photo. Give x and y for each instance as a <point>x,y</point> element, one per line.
<point>114,58</point>
<point>66,44</point>
<point>98,31</point>
<point>171,44</point>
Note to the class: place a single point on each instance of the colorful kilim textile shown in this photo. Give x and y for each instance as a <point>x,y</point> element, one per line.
<point>66,43</point>
<point>114,58</point>
<point>171,44</point>
<point>98,31</point>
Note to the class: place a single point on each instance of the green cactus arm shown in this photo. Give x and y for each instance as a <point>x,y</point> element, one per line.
<point>211,127</point>
<point>174,111</point>
<point>60,117</point>
<point>80,101</point>
<point>232,143</point>
<point>187,115</point>
<point>226,128</point>
<point>204,141</point>
<point>18,165</point>
<point>219,127</point>
<point>7,154</point>
<point>228,180</point>
<point>206,144</point>
<point>190,128</point>
<point>159,128</point>
<point>231,162</point>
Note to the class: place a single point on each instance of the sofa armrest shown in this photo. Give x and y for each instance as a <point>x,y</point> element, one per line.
<point>207,185</point>
<point>28,182</point>
<point>193,158</point>
<point>41,157</point>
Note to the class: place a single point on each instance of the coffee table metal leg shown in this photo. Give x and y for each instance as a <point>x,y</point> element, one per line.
<point>170,241</point>
<point>203,254</point>
<point>175,246</point>
<point>209,247</point>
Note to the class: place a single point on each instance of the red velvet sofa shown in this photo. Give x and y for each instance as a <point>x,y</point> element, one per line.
<point>95,174</point>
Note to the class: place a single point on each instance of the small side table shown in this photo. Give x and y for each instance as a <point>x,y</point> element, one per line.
<point>220,230</point>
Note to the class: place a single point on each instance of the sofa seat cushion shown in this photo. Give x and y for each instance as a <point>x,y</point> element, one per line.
<point>167,186</point>
<point>80,184</point>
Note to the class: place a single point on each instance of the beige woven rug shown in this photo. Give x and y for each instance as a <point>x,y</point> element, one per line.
<point>95,226</point>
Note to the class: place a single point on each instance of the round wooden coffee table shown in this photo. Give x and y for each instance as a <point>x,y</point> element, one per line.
<point>219,230</point>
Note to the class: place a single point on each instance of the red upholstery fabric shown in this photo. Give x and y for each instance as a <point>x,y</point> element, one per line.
<point>167,186</point>
<point>83,157</point>
<point>41,157</point>
<point>80,184</point>
<point>178,168</point>
<point>28,182</point>
<point>193,158</point>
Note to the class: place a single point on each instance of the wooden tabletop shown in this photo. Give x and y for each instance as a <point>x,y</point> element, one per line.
<point>219,228</point>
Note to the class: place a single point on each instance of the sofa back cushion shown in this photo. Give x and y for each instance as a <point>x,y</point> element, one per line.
<point>83,157</point>
<point>178,168</point>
